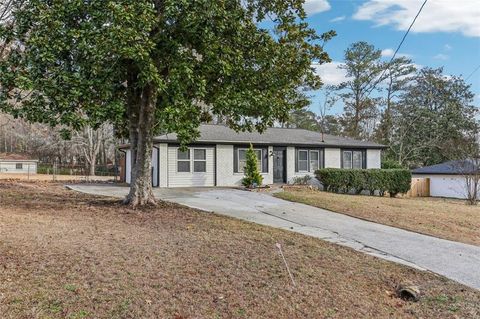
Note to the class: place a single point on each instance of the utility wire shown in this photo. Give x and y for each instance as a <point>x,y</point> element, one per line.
<point>468,77</point>
<point>398,48</point>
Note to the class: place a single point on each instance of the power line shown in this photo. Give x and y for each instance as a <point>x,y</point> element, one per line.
<point>468,77</point>
<point>398,48</point>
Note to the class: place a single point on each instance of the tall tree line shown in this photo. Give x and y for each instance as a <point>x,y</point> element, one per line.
<point>422,115</point>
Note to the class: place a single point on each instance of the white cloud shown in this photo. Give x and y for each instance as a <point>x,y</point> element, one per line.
<point>316,6</point>
<point>441,56</point>
<point>330,73</point>
<point>436,16</point>
<point>338,19</point>
<point>390,52</point>
<point>387,52</point>
<point>447,47</point>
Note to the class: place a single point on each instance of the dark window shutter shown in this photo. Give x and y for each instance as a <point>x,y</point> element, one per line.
<point>265,160</point>
<point>235,159</point>
<point>296,160</point>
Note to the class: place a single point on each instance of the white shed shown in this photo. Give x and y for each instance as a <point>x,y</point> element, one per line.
<point>17,164</point>
<point>448,179</point>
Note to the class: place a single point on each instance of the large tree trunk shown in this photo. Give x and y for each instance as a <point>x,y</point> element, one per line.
<point>141,110</point>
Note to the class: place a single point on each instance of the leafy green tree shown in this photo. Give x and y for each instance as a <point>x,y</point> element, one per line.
<point>252,173</point>
<point>363,69</point>
<point>435,113</point>
<point>151,66</point>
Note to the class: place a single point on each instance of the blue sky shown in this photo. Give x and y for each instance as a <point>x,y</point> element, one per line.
<point>447,33</point>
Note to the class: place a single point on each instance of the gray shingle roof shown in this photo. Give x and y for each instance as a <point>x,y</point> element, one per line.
<point>272,136</point>
<point>449,168</point>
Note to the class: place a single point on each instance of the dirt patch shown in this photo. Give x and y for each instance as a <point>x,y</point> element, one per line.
<point>70,255</point>
<point>444,218</point>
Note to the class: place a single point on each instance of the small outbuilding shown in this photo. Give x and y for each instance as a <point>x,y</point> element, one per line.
<point>449,179</point>
<point>17,164</point>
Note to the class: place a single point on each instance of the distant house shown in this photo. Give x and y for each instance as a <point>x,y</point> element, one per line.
<point>448,179</point>
<point>217,157</point>
<point>17,164</point>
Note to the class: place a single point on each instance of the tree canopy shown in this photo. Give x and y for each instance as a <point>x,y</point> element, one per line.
<point>157,66</point>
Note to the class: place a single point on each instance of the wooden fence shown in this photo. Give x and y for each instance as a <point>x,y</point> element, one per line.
<point>420,187</point>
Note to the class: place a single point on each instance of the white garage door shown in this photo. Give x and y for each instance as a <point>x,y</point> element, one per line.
<point>447,186</point>
<point>193,167</point>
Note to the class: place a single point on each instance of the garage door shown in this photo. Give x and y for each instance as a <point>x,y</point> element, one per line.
<point>447,186</point>
<point>193,167</point>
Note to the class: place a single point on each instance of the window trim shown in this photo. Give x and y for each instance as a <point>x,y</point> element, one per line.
<point>239,171</point>
<point>310,160</point>
<point>184,160</point>
<point>202,160</point>
<point>17,166</point>
<point>307,160</point>
<point>361,151</point>
<point>321,159</point>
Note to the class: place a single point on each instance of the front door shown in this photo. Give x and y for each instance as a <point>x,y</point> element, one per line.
<point>279,167</point>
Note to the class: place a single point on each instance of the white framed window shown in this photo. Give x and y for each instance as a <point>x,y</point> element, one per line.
<point>352,159</point>
<point>314,160</point>
<point>199,160</point>
<point>242,159</point>
<point>302,160</point>
<point>183,161</point>
<point>19,166</point>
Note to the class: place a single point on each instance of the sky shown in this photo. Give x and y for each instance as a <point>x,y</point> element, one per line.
<point>446,33</point>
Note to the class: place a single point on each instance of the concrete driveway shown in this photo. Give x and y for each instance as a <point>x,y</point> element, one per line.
<point>457,261</point>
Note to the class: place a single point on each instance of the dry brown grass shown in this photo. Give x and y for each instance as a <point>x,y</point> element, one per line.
<point>445,218</point>
<point>69,255</point>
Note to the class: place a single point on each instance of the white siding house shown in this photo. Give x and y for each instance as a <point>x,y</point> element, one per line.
<point>17,164</point>
<point>218,156</point>
<point>448,179</point>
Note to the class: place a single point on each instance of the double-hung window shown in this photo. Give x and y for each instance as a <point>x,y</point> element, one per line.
<point>353,159</point>
<point>18,166</point>
<point>302,160</point>
<point>183,161</point>
<point>199,160</point>
<point>314,160</point>
<point>242,159</point>
<point>309,160</point>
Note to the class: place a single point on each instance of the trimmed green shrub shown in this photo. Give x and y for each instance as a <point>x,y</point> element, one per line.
<point>399,181</point>
<point>393,181</point>
<point>252,175</point>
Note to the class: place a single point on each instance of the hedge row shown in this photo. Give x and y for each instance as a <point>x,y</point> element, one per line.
<point>393,181</point>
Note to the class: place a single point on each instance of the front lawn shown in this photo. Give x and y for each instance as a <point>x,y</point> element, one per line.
<point>70,255</point>
<point>445,218</point>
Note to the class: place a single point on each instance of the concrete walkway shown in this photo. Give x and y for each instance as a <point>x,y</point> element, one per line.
<point>457,261</point>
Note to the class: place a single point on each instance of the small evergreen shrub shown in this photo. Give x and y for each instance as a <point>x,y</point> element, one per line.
<point>393,181</point>
<point>252,175</point>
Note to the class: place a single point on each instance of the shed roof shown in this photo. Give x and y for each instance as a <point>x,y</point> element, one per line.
<point>273,136</point>
<point>15,157</point>
<point>458,167</point>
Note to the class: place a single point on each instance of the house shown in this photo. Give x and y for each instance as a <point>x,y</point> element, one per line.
<point>17,164</point>
<point>217,158</point>
<point>448,179</point>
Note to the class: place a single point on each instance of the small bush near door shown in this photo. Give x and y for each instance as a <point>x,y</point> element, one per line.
<point>381,181</point>
<point>252,174</point>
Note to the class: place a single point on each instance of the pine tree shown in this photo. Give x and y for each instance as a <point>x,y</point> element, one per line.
<point>252,175</point>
